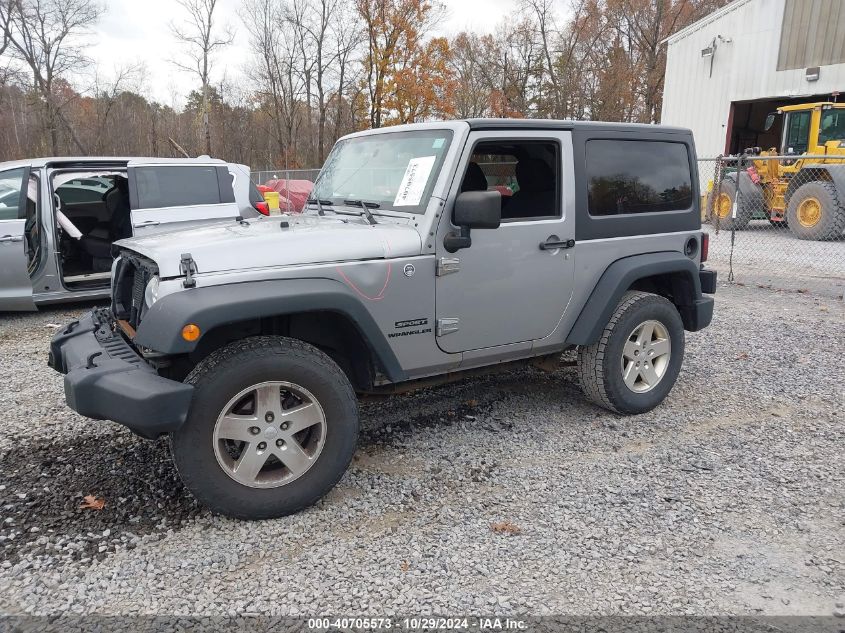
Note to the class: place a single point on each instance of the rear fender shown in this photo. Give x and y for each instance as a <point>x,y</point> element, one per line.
<point>810,173</point>
<point>623,275</point>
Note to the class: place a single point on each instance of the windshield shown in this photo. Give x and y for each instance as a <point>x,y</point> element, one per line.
<point>832,127</point>
<point>396,170</point>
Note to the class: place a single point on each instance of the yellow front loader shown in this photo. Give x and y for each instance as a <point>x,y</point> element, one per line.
<point>804,189</point>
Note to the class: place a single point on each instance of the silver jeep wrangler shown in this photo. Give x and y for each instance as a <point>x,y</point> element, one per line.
<point>426,250</point>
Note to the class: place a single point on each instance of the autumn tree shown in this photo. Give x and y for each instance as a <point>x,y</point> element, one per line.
<point>47,37</point>
<point>472,96</point>
<point>406,76</point>
<point>320,69</point>
<point>200,40</point>
<point>642,25</point>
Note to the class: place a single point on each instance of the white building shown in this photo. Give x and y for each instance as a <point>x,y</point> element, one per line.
<point>727,71</point>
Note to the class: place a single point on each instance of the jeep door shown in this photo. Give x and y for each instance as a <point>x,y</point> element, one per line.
<point>166,197</point>
<point>512,285</point>
<point>15,285</point>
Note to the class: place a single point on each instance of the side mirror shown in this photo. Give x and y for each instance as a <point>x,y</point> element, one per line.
<point>770,121</point>
<point>473,210</point>
<point>478,209</point>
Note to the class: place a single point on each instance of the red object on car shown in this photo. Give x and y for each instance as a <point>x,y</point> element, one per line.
<point>293,194</point>
<point>705,246</point>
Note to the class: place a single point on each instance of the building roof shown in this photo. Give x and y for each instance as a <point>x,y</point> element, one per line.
<point>707,19</point>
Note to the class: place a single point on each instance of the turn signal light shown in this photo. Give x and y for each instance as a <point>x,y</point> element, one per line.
<point>705,246</point>
<point>190,332</point>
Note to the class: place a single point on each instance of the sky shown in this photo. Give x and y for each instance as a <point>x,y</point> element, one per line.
<point>137,31</point>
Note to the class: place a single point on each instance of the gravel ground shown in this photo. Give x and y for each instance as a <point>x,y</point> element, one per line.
<point>729,498</point>
<point>775,256</point>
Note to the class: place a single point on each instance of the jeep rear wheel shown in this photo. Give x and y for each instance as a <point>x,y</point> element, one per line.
<point>636,361</point>
<point>272,428</point>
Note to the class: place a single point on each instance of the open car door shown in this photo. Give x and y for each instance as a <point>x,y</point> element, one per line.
<point>16,201</point>
<point>166,197</point>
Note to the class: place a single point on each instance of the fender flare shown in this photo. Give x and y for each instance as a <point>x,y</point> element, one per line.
<point>836,173</point>
<point>619,277</point>
<point>210,307</point>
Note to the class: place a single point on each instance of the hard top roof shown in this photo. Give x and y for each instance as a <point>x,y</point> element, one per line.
<point>565,124</point>
<point>108,160</point>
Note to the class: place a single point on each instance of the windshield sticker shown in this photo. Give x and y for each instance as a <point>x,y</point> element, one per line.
<point>413,182</point>
<point>438,143</point>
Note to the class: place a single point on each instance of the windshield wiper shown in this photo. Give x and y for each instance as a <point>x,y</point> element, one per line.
<point>319,202</point>
<point>365,206</point>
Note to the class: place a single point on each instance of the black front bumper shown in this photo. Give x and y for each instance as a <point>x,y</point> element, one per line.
<point>106,379</point>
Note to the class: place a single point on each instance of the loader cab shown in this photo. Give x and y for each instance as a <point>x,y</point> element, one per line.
<point>809,127</point>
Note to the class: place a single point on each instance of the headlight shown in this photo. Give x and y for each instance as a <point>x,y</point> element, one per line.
<point>151,291</point>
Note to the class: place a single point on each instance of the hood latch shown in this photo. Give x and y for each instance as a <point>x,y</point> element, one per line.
<point>188,267</point>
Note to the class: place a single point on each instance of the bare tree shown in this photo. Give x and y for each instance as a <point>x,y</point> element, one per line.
<point>106,94</point>
<point>45,35</point>
<point>5,25</point>
<point>200,41</point>
<point>347,37</point>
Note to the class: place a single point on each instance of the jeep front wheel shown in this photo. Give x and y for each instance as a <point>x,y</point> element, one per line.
<point>637,359</point>
<point>272,428</point>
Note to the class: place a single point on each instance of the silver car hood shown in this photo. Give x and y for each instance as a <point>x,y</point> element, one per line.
<point>265,242</point>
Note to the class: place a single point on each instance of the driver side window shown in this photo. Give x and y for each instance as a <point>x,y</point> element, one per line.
<point>11,182</point>
<point>526,173</point>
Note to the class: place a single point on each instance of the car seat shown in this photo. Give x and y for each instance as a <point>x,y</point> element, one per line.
<point>98,242</point>
<point>536,195</point>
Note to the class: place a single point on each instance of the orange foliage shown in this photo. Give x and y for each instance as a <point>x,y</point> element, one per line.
<point>408,79</point>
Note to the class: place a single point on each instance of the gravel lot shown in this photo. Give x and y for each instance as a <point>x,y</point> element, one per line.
<point>730,498</point>
<point>763,254</point>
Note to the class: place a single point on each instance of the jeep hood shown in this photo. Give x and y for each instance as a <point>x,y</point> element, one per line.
<point>266,242</point>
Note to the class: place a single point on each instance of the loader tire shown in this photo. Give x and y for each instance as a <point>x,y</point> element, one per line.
<point>814,212</point>
<point>723,206</point>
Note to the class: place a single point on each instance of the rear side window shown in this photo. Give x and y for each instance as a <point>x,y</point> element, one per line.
<point>254,195</point>
<point>626,177</point>
<point>75,194</point>
<point>173,186</point>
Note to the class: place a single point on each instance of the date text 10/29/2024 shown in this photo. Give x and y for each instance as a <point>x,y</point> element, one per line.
<point>419,623</point>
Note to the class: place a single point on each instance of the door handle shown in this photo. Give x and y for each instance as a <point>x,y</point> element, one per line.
<point>11,238</point>
<point>553,243</point>
<point>146,223</point>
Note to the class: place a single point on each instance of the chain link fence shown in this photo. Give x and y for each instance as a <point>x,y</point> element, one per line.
<point>777,217</point>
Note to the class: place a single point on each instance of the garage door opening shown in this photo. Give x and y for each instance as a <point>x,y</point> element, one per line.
<point>747,121</point>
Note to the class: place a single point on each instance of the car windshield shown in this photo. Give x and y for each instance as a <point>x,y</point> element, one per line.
<point>394,170</point>
<point>832,127</point>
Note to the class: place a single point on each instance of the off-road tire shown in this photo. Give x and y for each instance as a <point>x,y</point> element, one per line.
<point>235,367</point>
<point>748,202</point>
<point>600,364</point>
<point>831,223</point>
